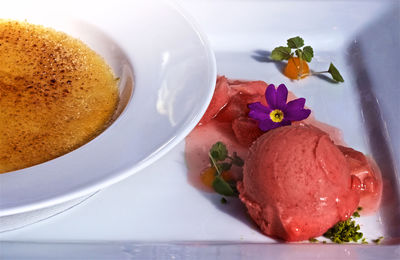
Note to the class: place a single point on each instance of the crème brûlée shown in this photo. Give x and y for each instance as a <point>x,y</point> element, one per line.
<point>56,94</point>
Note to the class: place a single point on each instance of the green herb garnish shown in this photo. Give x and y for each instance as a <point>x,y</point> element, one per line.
<point>285,53</point>
<point>281,53</point>
<point>221,161</point>
<point>313,240</point>
<point>293,49</point>
<point>223,200</point>
<point>236,160</point>
<point>223,187</point>
<point>218,152</point>
<point>295,42</point>
<point>378,240</point>
<point>335,73</point>
<point>307,54</point>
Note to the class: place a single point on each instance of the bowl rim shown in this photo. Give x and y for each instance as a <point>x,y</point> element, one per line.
<point>126,171</point>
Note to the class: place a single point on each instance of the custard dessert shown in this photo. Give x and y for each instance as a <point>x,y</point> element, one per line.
<point>56,94</point>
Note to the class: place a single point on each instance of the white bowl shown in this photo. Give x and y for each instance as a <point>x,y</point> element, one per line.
<point>174,75</point>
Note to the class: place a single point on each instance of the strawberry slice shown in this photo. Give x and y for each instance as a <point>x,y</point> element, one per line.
<point>237,106</point>
<point>256,88</point>
<point>242,93</point>
<point>218,101</point>
<point>246,130</point>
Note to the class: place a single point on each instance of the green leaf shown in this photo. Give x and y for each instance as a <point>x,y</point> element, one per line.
<point>223,200</point>
<point>233,185</point>
<point>222,167</point>
<point>335,73</point>
<point>280,53</point>
<point>222,187</point>
<point>308,53</point>
<point>218,151</point>
<point>236,160</point>
<point>299,53</point>
<point>295,42</point>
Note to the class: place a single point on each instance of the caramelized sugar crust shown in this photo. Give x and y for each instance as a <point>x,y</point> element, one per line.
<point>56,94</point>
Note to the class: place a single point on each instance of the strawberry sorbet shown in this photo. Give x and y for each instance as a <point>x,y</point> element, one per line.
<point>297,183</point>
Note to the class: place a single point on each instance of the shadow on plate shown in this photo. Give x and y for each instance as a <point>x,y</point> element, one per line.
<point>362,53</point>
<point>264,56</point>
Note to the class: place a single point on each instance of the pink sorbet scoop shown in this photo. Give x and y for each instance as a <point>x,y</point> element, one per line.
<point>297,183</point>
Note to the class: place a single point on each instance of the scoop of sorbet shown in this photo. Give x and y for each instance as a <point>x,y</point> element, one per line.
<point>297,183</point>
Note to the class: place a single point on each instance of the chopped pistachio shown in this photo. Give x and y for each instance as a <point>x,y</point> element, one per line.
<point>378,240</point>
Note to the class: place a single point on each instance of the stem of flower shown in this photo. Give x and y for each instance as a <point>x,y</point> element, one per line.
<point>319,72</point>
<point>230,158</point>
<point>314,73</point>
<point>301,67</point>
<point>214,164</point>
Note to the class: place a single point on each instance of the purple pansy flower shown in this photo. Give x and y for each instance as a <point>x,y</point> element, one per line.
<point>278,113</point>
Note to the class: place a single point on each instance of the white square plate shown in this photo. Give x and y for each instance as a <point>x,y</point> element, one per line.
<point>158,214</point>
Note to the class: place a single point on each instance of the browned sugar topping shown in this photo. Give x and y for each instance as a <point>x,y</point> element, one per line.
<point>56,94</point>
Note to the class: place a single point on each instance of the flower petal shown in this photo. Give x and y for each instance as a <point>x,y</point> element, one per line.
<point>281,97</point>
<point>259,107</point>
<point>295,110</point>
<point>285,122</point>
<point>258,115</point>
<point>270,96</point>
<point>297,115</point>
<point>266,125</point>
<point>296,104</point>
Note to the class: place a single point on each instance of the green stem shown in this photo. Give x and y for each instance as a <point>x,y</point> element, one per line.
<point>214,164</point>
<point>299,75</point>
<point>319,72</point>
<point>314,73</point>
<point>230,158</point>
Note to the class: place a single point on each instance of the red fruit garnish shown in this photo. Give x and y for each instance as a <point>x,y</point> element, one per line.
<point>237,106</point>
<point>241,94</point>
<point>218,101</point>
<point>246,130</point>
<point>250,87</point>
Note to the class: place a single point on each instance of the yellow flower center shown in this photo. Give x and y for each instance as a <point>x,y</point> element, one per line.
<point>276,115</point>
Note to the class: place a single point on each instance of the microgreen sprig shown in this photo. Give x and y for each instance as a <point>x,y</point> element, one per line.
<point>295,43</point>
<point>378,240</point>
<point>222,162</point>
<point>306,53</point>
